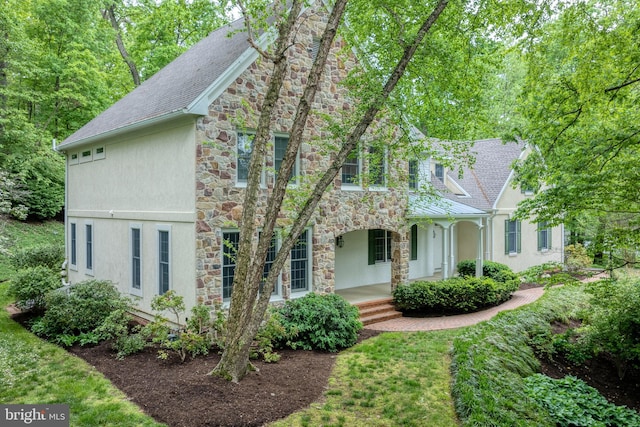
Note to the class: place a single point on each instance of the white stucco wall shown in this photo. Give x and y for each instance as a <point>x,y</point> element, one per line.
<point>146,180</point>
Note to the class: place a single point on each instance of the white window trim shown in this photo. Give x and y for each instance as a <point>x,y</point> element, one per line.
<point>299,294</point>
<point>99,155</point>
<point>90,271</point>
<point>73,161</point>
<point>352,186</point>
<point>159,228</point>
<point>296,181</point>
<point>83,157</point>
<point>132,290</point>
<point>73,267</point>
<point>243,184</point>
<point>385,171</point>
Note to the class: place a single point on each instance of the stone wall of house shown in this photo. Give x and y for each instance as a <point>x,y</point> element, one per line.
<point>219,199</point>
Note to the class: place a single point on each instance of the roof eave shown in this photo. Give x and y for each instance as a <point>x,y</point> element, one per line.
<point>124,130</point>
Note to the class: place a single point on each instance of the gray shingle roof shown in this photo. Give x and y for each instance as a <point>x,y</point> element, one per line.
<point>492,168</point>
<point>173,89</point>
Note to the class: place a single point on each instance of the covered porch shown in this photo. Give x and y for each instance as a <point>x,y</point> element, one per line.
<point>376,291</point>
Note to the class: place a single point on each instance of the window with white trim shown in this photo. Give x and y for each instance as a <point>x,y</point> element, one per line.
<point>230,242</point>
<point>544,236</point>
<point>439,171</point>
<point>73,246</point>
<point>244,148</point>
<point>413,174</point>
<point>512,231</point>
<point>135,237</point>
<point>379,246</point>
<point>164,259</point>
<point>377,164</point>
<point>351,169</point>
<point>300,265</point>
<point>279,149</point>
<point>88,235</point>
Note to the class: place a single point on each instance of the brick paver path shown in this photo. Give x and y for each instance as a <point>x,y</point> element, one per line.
<point>409,324</point>
<point>450,322</point>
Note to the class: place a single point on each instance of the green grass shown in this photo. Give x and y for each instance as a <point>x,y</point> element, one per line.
<point>394,379</point>
<point>33,371</point>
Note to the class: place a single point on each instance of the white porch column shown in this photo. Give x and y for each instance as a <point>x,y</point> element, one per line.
<point>480,248</point>
<point>446,237</point>
<point>452,249</point>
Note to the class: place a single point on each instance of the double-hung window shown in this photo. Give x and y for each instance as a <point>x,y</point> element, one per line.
<point>300,257</point>
<point>73,243</point>
<point>244,149</point>
<point>164,259</point>
<point>544,236</point>
<point>377,166</point>
<point>88,229</point>
<point>135,237</point>
<point>279,149</point>
<point>512,239</point>
<point>230,242</point>
<point>440,171</point>
<point>351,169</point>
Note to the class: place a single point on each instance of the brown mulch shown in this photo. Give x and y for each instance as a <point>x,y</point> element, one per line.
<point>182,394</point>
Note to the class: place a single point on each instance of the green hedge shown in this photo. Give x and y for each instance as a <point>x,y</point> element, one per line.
<point>50,256</point>
<point>31,285</point>
<point>455,295</point>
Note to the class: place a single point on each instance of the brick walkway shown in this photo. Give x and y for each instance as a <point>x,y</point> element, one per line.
<point>411,324</point>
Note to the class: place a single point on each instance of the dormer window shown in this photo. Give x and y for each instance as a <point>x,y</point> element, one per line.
<point>413,174</point>
<point>440,171</point>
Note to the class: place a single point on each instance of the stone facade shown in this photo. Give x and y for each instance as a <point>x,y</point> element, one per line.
<point>219,198</point>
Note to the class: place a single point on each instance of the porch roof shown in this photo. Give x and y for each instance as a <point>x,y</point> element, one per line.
<point>421,207</point>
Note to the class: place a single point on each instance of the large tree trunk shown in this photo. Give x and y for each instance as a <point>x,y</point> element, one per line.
<point>110,14</point>
<point>248,306</point>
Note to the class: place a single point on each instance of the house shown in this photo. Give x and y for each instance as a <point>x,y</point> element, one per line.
<point>155,185</point>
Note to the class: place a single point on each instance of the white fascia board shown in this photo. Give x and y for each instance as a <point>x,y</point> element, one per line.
<point>507,182</point>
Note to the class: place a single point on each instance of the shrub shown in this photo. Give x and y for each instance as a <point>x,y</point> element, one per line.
<point>455,295</point>
<point>80,309</point>
<point>613,326</point>
<point>271,333</point>
<point>30,285</point>
<point>320,322</point>
<point>170,337</point>
<point>50,256</point>
<point>577,257</point>
<point>495,270</point>
<point>571,402</point>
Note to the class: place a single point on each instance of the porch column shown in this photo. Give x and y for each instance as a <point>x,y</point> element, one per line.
<point>446,236</point>
<point>479,256</point>
<point>452,250</point>
<point>400,254</point>
<point>487,238</point>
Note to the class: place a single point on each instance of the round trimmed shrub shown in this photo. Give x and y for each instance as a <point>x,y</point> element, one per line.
<point>320,322</point>
<point>81,308</point>
<point>50,256</point>
<point>30,285</point>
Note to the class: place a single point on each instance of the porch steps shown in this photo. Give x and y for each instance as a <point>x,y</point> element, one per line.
<point>377,311</point>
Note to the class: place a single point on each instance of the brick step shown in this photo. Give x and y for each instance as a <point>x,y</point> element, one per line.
<point>377,311</point>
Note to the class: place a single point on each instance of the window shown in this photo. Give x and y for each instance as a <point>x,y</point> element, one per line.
<point>279,148</point>
<point>229,249</point>
<point>379,246</point>
<point>440,171</point>
<point>413,174</point>
<point>85,156</point>
<point>136,259</point>
<point>73,243</point>
<point>315,47</point>
<point>244,147</point>
<point>99,153</point>
<point>377,166</point>
<point>511,237</point>
<point>271,256</point>
<point>300,255</point>
<point>351,169</point>
<point>164,259</point>
<point>544,236</point>
<point>73,159</point>
<point>414,242</point>
<point>89,241</point>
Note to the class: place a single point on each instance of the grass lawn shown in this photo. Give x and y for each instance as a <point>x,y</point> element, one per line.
<point>389,380</point>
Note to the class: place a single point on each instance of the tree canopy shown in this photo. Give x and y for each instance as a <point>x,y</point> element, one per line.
<point>580,104</point>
